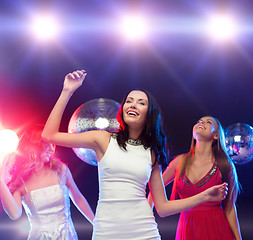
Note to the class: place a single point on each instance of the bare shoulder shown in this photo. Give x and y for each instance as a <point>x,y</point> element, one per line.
<point>102,136</point>
<point>67,173</point>
<point>92,139</point>
<point>65,168</point>
<point>175,162</point>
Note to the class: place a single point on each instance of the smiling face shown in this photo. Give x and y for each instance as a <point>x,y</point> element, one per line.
<point>206,128</point>
<point>135,109</point>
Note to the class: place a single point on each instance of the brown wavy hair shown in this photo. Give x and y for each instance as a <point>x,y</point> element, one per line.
<point>27,158</point>
<point>222,160</point>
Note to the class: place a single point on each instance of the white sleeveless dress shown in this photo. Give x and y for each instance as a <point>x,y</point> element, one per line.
<point>123,211</point>
<point>48,211</point>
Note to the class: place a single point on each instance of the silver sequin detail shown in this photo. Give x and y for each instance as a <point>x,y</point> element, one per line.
<point>134,142</point>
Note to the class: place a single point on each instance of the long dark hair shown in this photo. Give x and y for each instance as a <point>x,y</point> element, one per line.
<point>222,160</point>
<point>27,158</point>
<point>152,135</point>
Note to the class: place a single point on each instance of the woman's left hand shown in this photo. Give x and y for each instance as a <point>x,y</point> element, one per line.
<point>216,193</point>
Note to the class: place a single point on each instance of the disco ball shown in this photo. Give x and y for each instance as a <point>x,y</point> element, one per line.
<point>239,142</point>
<point>97,114</point>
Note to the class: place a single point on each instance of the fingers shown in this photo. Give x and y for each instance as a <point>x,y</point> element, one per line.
<point>77,75</point>
<point>83,75</point>
<point>70,76</point>
<point>223,195</point>
<point>223,186</point>
<point>224,191</point>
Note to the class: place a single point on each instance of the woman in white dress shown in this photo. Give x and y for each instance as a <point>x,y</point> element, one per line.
<point>43,185</point>
<point>127,161</point>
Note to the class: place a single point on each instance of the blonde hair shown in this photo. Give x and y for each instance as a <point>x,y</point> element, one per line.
<point>27,158</point>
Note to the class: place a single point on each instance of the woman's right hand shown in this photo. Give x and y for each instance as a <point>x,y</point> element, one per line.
<point>74,80</point>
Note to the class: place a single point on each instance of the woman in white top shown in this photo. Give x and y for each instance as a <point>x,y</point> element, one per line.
<point>42,184</point>
<point>127,161</point>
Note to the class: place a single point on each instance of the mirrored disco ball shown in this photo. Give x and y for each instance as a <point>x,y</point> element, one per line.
<point>239,142</point>
<point>97,114</point>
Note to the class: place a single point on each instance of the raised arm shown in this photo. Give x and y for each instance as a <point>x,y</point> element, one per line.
<point>11,203</point>
<point>92,139</point>
<point>78,199</point>
<point>165,208</point>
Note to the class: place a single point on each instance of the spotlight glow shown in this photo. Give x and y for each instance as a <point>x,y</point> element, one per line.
<point>8,141</point>
<point>102,123</point>
<point>237,138</point>
<point>134,27</point>
<point>45,27</point>
<point>222,28</point>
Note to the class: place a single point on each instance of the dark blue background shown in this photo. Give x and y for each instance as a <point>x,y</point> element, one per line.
<point>189,74</point>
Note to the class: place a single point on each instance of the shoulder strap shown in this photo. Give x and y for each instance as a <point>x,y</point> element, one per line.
<point>24,185</point>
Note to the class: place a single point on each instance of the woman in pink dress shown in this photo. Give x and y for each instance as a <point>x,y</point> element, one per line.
<point>205,165</point>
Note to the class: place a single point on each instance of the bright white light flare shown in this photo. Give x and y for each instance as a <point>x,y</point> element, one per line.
<point>237,138</point>
<point>8,141</point>
<point>134,27</point>
<point>222,28</point>
<point>45,28</point>
<point>102,123</point>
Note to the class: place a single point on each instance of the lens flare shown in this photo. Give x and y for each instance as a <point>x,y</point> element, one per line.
<point>222,28</point>
<point>134,27</point>
<point>8,141</point>
<point>45,27</point>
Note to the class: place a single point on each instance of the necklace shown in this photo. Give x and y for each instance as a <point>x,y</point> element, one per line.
<point>130,141</point>
<point>134,142</point>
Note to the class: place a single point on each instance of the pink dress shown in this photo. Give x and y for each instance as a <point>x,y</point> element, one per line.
<point>206,221</point>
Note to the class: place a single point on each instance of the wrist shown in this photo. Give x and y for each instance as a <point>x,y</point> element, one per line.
<point>66,95</point>
<point>202,197</point>
<point>67,92</point>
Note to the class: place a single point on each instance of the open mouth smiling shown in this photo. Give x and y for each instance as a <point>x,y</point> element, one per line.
<point>132,113</point>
